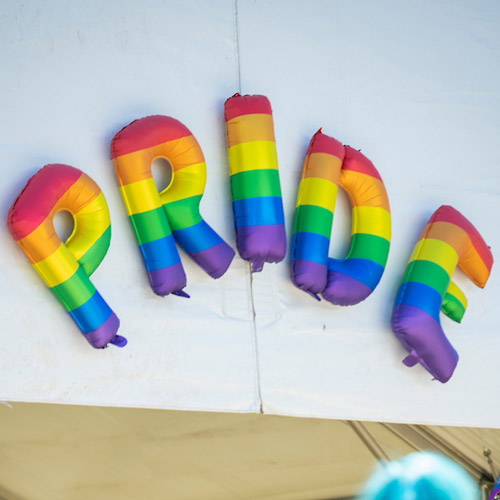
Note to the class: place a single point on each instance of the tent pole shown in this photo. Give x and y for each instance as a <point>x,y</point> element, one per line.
<point>368,440</point>
<point>422,438</point>
<point>487,454</point>
<point>452,452</point>
<point>484,491</point>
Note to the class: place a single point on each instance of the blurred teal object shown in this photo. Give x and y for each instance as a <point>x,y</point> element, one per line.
<point>420,476</point>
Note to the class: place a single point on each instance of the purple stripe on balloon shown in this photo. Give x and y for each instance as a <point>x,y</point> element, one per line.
<point>214,260</point>
<point>167,280</point>
<point>343,290</point>
<point>422,334</point>
<point>106,333</point>
<point>260,244</point>
<point>308,276</point>
<point>494,493</point>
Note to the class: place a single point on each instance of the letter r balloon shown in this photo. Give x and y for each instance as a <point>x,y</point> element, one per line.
<point>161,219</point>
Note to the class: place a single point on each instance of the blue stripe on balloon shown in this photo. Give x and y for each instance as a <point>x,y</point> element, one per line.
<point>365,271</point>
<point>262,211</point>
<point>497,484</point>
<point>92,314</point>
<point>310,246</point>
<point>197,238</point>
<point>420,295</point>
<point>160,253</point>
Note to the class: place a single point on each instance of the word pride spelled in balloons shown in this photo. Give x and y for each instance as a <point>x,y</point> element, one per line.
<point>163,220</point>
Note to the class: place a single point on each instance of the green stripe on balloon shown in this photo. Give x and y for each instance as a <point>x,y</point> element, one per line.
<point>183,213</point>
<point>91,259</point>
<point>313,219</point>
<point>370,247</point>
<point>153,225</point>
<point>453,308</point>
<point>75,291</point>
<point>255,183</point>
<point>428,273</point>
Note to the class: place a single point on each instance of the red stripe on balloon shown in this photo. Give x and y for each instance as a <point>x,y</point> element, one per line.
<point>239,105</point>
<point>146,133</point>
<point>357,162</point>
<point>322,143</point>
<point>37,199</point>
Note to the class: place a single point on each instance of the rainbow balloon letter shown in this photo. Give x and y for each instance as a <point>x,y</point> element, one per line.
<point>448,239</point>
<point>65,267</point>
<point>255,183</point>
<point>350,280</point>
<point>159,218</point>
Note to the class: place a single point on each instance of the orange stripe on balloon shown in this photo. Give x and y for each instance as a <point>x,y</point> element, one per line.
<point>364,190</point>
<point>180,153</point>
<point>447,232</point>
<point>322,166</point>
<point>247,128</point>
<point>40,243</point>
<point>449,214</point>
<point>83,191</point>
<point>470,261</point>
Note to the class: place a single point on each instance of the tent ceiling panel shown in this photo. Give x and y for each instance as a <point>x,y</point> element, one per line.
<point>61,452</point>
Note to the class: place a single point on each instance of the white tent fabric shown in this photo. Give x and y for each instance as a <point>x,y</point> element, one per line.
<point>78,73</point>
<point>402,83</point>
<point>415,86</point>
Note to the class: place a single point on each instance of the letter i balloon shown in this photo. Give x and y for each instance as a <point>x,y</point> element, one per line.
<point>66,267</point>
<point>255,185</point>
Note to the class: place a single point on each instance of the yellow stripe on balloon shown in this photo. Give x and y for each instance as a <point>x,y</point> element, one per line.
<point>56,268</point>
<point>457,293</point>
<point>251,127</point>
<point>91,222</point>
<point>140,196</point>
<point>371,220</point>
<point>190,181</point>
<point>256,155</point>
<point>436,251</point>
<point>318,192</point>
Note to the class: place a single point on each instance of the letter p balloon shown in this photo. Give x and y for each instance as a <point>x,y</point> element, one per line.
<point>65,267</point>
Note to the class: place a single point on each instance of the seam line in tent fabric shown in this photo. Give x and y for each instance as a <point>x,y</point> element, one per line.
<point>237,45</point>
<point>255,342</point>
<point>257,385</point>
